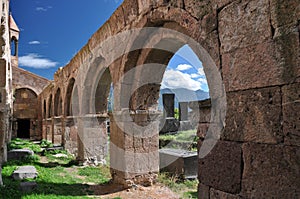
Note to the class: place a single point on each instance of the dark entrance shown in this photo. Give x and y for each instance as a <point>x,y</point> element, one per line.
<point>23,128</point>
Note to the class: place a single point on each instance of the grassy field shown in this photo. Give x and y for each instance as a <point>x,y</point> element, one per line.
<point>61,178</point>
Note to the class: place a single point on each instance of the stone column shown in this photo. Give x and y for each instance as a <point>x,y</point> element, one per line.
<point>71,133</point>
<point>134,157</point>
<point>183,111</point>
<point>92,138</point>
<point>168,103</point>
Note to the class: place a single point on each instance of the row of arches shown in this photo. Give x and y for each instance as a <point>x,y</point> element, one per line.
<point>54,105</point>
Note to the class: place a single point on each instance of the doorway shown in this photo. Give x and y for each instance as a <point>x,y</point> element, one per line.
<point>23,128</point>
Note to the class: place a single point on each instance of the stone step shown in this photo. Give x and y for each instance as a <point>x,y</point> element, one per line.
<point>27,186</point>
<point>25,172</point>
<point>19,154</point>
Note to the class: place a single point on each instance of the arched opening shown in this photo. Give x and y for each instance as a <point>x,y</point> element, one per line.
<point>25,112</point>
<point>50,110</point>
<point>68,99</point>
<point>58,103</point>
<point>44,109</point>
<point>136,117</point>
<point>14,46</point>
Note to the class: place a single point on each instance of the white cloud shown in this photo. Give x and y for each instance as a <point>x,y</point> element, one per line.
<point>41,9</point>
<point>36,61</point>
<point>183,67</point>
<point>194,75</point>
<point>175,79</point>
<point>34,42</point>
<point>201,72</point>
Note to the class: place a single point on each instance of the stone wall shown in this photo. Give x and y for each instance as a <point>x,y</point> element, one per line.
<point>251,59</point>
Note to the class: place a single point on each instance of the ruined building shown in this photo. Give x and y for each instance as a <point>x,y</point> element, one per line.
<point>250,54</point>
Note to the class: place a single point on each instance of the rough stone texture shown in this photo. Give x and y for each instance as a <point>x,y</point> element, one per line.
<point>244,23</point>
<point>284,12</point>
<point>25,172</point>
<point>203,191</point>
<point>216,194</point>
<point>270,171</point>
<point>222,167</point>
<point>291,114</point>
<point>254,115</point>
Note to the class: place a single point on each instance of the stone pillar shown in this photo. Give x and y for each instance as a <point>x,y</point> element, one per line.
<point>183,111</point>
<point>92,138</point>
<point>49,129</point>
<point>71,133</point>
<point>134,157</point>
<point>58,134</point>
<point>168,103</point>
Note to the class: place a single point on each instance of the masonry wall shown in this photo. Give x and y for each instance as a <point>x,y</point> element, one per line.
<point>255,47</point>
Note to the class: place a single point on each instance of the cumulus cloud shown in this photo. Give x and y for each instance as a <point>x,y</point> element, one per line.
<point>34,42</point>
<point>195,75</point>
<point>175,79</point>
<point>36,61</point>
<point>183,67</point>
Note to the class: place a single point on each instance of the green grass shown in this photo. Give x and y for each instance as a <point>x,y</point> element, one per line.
<point>54,180</point>
<point>182,140</point>
<point>184,188</point>
<point>97,175</point>
<point>18,143</point>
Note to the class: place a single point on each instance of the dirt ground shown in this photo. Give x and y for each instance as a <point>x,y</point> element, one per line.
<point>157,191</point>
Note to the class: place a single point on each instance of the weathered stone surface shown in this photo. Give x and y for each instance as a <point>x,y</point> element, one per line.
<point>198,9</point>
<point>203,191</point>
<point>252,67</point>
<point>254,115</point>
<point>270,171</point>
<point>291,114</point>
<point>28,186</point>
<point>216,194</point>
<point>19,154</point>
<point>221,168</point>
<point>244,23</point>
<point>25,172</point>
<point>284,12</point>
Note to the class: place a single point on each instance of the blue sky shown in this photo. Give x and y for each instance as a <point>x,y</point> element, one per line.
<point>52,32</point>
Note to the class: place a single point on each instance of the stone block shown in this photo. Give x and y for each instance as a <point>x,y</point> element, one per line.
<point>203,191</point>
<point>254,115</point>
<point>19,154</point>
<point>198,9</point>
<point>291,114</point>
<point>216,194</point>
<point>270,171</point>
<point>25,172</point>
<point>28,186</point>
<point>252,67</point>
<point>181,162</point>
<point>284,12</point>
<point>244,23</point>
<point>221,168</point>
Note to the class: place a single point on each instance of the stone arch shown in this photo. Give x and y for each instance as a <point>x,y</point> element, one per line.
<point>57,103</point>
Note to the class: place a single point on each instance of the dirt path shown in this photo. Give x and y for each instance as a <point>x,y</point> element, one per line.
<point>157,191</point>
